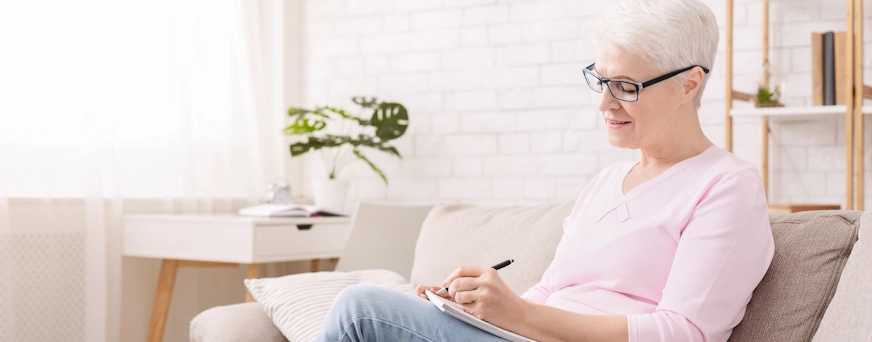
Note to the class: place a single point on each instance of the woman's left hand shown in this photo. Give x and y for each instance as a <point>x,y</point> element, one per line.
<point>482,293</point>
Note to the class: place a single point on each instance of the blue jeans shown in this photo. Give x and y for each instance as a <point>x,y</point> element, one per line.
<point>367,312</point>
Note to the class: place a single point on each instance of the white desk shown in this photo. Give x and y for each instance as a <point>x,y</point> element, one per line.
<point>226,240</point>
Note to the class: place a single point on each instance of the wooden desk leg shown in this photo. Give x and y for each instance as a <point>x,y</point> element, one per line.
<point>162,299</point>
<point>252,274</point>
<point>314,265</point>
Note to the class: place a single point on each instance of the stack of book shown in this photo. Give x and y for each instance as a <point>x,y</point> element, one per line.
<point>829,68</point>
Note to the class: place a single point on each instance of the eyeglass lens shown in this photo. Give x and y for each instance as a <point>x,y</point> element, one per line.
<point>619,89</point>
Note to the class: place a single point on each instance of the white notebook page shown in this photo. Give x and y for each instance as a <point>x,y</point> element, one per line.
<point>456,311</point>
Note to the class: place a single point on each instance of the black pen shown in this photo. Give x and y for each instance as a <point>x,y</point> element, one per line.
<point>496,267</point>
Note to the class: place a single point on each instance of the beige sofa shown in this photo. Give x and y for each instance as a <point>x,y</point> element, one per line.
<point>818,288</point>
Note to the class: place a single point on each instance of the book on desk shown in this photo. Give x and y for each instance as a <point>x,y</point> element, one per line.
<point>289,210</point>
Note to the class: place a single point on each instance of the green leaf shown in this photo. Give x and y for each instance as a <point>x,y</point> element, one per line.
<point>391,121</point>
<point>363,140</point>
<point>300,148</point>
<point>342,113</point>
<point>363,102</point>
<point>371,165</point>
<point>300,113</point>
<point>296,111</point>
<point>317,143</point>
<point>391,150</point>
<point>764,95</point>
<point>305,126</point>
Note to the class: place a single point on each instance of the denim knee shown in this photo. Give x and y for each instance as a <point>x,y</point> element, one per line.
<point>357,300</point>
<point>361,290</point>
<point>368,312</point>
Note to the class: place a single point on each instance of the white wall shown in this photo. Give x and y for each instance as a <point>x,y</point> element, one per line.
<point>500,113</point>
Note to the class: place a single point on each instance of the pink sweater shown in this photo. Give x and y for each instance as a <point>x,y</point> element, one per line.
<point>679,254</point>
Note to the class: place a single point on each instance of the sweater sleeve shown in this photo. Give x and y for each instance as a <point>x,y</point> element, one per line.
<point>539,293</point>
<point>723,253</point>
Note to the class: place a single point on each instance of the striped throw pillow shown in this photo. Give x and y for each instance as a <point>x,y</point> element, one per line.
<point>297,304</point>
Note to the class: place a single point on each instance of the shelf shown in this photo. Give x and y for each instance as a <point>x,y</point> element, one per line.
<point>791,111</point>
<point>854,132</point>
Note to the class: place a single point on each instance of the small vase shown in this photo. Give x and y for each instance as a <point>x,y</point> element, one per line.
<point>330,193</point>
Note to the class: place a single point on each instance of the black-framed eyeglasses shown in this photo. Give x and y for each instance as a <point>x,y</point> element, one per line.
<point>627,91</point>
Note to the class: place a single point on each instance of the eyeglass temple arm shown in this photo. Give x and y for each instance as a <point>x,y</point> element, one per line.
<point>667,76</point>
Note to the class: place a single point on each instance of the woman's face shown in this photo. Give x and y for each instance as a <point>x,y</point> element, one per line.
<point>650,120</point>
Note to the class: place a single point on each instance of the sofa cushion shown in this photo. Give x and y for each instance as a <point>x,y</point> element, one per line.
<point>235,323</point>
<point>383,237</point>
<point>297,304</point>
<point>849,316</point>
<point>811,249</point>
<point>455,234</point>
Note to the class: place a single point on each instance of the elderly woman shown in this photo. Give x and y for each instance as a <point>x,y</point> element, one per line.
<point>668,248</point>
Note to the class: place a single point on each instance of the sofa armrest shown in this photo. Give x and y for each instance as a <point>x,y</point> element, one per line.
<point>237,323</point>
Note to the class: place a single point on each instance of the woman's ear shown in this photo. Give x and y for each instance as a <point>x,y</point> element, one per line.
<point>692,83</point>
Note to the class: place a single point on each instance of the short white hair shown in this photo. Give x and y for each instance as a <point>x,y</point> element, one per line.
<point>670,34</point>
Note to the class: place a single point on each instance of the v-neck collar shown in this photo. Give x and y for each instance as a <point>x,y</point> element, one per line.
<point>641,187</point>
<point>621,199</point>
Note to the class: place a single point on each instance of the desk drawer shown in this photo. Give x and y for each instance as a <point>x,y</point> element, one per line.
<point>223,241</point>
<point>319,241</point>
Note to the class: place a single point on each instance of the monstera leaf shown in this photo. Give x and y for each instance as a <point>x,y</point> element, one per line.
<point>364,102</point>
<point>341,113</point>
<point>315,143</point>
<point>297,111</point>
<point>305,126</point>
<point>390,120</point>
<point>363,140</point>
<point>371,165</point>
<point>390,149</point>
<point>301,113</point>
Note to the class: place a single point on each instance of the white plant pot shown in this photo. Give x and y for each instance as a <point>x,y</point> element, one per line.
<point>330,194</point>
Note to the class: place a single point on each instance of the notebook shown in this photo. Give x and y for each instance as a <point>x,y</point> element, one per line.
<point>456,311</point>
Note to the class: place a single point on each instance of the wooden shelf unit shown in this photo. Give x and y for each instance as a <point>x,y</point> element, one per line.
<point>793,112</point>
<point>853,110</point>
<point>855,13</point>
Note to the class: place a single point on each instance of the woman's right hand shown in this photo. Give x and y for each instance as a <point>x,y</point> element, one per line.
<point>420,289</point>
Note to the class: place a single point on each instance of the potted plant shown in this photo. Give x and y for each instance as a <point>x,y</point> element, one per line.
<point>768,98</point>
<point>376,125</point>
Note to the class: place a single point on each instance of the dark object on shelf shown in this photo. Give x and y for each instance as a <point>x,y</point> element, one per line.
<point>829,69</point>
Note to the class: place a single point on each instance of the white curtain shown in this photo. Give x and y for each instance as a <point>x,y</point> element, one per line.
<point>107,103</point>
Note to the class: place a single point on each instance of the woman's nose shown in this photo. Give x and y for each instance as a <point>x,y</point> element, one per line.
<point>607,102</point>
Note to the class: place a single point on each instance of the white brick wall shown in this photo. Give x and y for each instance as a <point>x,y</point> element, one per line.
<point>499,109</point>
